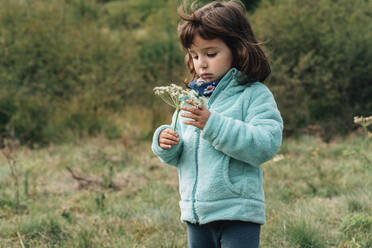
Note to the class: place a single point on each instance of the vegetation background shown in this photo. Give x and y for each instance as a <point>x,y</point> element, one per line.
<point>70,68</point>
<point>77,114</point>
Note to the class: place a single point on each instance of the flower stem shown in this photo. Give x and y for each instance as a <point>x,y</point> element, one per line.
<point>175,123</point>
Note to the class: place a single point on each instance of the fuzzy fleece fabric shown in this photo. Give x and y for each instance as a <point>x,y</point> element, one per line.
<point>219,171</point>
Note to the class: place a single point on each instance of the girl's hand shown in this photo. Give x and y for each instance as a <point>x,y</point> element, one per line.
<point>167,138</point>
<point>199,114</point>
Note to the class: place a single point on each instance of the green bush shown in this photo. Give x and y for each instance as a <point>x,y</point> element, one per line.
<point>320,52</point>
<point>56,58</point>
<point>66,66</point>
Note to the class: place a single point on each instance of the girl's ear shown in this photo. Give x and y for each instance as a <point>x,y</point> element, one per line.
<point>190,67</point>
<point>189,63</point>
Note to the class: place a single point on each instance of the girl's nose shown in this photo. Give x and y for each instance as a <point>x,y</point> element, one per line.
<point>203,64</point>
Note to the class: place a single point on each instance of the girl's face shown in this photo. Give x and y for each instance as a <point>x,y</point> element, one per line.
<point>211,58</point>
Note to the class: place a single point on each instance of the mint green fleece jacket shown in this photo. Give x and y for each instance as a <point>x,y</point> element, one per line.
<point>219,171</point>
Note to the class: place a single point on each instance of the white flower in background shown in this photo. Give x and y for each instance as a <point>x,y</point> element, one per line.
<point>175,95</point>
<point>363,121</point>
<point>278,157</point>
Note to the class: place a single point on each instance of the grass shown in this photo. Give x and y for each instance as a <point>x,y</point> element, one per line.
<point>317,195</point>
<point>304,234</point>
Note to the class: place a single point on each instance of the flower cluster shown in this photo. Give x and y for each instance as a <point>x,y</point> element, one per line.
<point>363,121</point>
<point>175,95</point>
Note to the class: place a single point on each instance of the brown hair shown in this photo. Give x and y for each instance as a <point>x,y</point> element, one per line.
<point>226,21</point>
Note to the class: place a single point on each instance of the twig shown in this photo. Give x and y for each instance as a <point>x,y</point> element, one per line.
<point>20,240</point>
<point>79,178</point>
<point>14,171</point>
<point>83,181</point>
<point>365,157</point>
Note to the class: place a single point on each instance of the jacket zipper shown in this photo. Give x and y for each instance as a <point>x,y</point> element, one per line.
<point>196,177</point>
<point>196,160</point>
<point>197,169</point>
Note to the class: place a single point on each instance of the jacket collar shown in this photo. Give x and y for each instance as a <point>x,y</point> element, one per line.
<point>229,81</point>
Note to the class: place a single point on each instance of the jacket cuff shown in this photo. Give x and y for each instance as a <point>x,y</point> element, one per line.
<point>163,154</point>
<point>211,128</point>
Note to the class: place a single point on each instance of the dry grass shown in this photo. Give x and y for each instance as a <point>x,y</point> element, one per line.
<point>315,194</point>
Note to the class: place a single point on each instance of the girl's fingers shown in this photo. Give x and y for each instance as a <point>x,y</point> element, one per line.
<point>191,110</point>
<point>191,116</point>
<point>170,132</point>
<point>170,137</point>
<point>168,141</point>
<point>165,146</point>
<point>192,103</point>
<point>195,104</point>
<point>167,138</point>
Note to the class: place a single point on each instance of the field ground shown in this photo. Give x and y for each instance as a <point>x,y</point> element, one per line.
<point>317,195</point>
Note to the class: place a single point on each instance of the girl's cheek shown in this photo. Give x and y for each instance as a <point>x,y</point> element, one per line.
<point>196,65</point>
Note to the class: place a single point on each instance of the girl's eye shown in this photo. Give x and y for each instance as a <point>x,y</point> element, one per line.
<point>211,55</point>
<point>194,57</point>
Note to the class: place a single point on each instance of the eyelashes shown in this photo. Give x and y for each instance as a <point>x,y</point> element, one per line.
<point>210,55</point>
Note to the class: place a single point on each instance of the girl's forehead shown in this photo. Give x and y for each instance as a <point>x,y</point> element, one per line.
<point>198,43</point>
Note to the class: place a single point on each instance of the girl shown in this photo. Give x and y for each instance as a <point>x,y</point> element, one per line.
<point>218,148</point>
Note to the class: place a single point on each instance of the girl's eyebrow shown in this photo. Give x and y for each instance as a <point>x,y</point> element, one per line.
<point>206,48</point>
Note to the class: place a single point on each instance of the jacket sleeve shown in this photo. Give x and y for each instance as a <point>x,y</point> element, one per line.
<point>254,140</point>
<point>169,156</point>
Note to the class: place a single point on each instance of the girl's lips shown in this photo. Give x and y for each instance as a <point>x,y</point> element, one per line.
<point>206,76</point>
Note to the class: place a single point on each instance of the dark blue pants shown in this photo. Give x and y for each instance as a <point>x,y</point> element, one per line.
<point>225,234</point>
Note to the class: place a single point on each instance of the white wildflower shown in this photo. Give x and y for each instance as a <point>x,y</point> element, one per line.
<point>278,157</point>
<point>203,100</point>
<point>175,95</point>
<point>363,121</point>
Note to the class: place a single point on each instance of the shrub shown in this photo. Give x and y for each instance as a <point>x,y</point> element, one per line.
<point>319,51</point>
<point>67,66</point>
<point>55,56</point>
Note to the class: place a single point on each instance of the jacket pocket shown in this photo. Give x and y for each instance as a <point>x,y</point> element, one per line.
<point>242,178</point>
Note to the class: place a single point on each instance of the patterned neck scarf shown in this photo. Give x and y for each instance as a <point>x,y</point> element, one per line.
<point>203,88</point>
